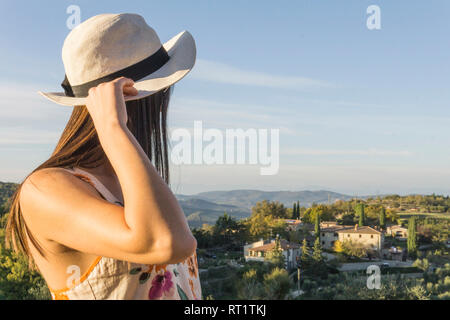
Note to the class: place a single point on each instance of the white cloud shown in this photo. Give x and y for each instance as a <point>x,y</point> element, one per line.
<point>223,73</point>
<point>20,135</point>
<point>26,118</point>
<point>229,115</point>
<point>21,101</point>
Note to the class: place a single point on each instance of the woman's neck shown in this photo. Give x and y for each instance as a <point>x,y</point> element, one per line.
<point>103,170</point>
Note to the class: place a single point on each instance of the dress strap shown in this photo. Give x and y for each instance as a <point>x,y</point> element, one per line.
<point>92,180</point>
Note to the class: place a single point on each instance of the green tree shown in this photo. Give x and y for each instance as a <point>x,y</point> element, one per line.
<point>225,227</point>
<point>359,211</point>
<point>317,252</point>
<point>317,226</point>
<point>294,211</point>
<point>353,248</point>
<point>423,264</point>
<point>272,208</point>
<point>275,256</point>
<point>305,258</point>
<point>203,236</point>
<point>17,281</point>
<point>412,237</point>
<point>382,218</point>
<point>308,216</point>
<point>249,286</point>
<point>277,284</point>
<point>318,267</point>
<point>266,219</point>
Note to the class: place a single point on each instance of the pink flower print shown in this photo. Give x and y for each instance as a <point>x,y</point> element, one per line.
<point>162,285</point>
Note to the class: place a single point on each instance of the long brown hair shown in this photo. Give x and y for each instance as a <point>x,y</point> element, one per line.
<point>79,146</point>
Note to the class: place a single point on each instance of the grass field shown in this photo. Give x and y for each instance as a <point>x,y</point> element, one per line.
<point>407,215</point>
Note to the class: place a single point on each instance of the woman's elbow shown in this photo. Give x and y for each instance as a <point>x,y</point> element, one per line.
<point>181,250</point>
<point>172,251</point>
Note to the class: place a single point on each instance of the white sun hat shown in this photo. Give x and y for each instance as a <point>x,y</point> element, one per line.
<point>108,46</point>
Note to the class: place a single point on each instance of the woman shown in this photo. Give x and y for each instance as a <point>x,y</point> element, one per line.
<point>98,219</point>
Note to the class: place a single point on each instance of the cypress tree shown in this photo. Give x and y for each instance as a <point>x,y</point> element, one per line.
<point>317,226</point>
<point>382,218</point>
<point>317,251</point>
<point>318,267</point>
<point>294,211</point>
<point>304,259</point>
<point>298,209</point>
<point>360,212</point>
<point>412,238</point>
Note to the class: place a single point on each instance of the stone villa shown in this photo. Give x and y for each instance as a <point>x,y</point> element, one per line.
<point>257,251</point>
<point>368,236</point>
<point>397,231</point>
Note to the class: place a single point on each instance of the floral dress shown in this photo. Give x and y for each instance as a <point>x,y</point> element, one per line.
<point>109,278</point>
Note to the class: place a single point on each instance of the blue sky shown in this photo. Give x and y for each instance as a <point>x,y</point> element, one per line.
<point>359,111</point>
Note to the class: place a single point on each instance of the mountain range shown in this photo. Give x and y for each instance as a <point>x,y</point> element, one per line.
<point>206,207</point>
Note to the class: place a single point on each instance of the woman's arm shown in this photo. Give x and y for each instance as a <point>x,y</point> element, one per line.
<point>150,228</point>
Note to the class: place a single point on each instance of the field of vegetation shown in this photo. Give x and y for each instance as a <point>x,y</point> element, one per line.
<point>407,215</point>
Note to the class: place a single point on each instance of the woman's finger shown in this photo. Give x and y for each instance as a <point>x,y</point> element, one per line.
<point>123,82</point>
<point>130,91</point>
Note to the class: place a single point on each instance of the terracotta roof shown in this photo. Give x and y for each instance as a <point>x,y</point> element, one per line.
<point>335,228</point>
<point>284,244</point>
<point>365,229</point>
<point>329,222</point>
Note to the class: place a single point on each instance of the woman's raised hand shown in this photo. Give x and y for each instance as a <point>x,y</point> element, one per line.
<point>106,102</point>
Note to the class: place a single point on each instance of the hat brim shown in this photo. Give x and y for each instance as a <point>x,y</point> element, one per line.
<point>182,52</point>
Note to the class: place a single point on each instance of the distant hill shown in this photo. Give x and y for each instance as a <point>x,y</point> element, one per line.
<point>200,211</point>
<point>206,207</point>
<point>245,199</point>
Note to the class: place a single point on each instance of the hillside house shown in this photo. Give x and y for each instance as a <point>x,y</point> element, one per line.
<point>328,224</point>
<point>367,236</point>
<point>258,250</point>
<point>292,224</point>
<point>397,231</point>
<point>329,235</point>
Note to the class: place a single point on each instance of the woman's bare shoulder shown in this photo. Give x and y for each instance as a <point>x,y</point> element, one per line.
<point>46,186</point>
<point>45,175</point>
<point>47,179</point>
